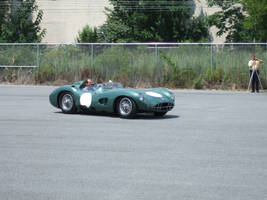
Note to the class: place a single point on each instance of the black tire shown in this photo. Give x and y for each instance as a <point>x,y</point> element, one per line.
<point>126,107</point>
<point>159,114</point>
<point>67,103</point>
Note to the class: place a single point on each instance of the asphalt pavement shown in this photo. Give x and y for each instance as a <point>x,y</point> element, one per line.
<point>212,145</point>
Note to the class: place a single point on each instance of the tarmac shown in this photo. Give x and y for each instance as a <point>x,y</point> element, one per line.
<point>211,146</point>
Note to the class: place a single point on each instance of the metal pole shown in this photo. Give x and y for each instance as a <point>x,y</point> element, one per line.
<point>211,57</point>
<point>37,60</point>
<point>38,56</point>
<point>266,63</point>
<point>92,55</point>
<point>156,53</point>
<point>259,80</point>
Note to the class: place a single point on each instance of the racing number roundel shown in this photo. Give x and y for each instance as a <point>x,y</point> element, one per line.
<point>86,100</point>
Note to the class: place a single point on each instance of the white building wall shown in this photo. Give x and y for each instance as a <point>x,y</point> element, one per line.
<point>63,19</point>
<point>201,6</point>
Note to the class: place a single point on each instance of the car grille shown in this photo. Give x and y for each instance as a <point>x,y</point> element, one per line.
<point>161,107</point>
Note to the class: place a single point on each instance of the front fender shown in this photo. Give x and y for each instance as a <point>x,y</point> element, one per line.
<point>53,97</point>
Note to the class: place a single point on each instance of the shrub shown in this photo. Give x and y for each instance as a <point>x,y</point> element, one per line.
<point>198,83</point>
<point>44,74</point>
<point>214,77</point>
<point>87,34</point>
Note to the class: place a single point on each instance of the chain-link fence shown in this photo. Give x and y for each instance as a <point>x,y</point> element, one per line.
<point>177,65</point>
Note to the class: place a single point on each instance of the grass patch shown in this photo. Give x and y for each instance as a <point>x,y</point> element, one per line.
<point>179,66</point>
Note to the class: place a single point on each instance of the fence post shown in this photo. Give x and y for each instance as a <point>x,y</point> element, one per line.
<point>211,57</point>
<point>156,53</point>
<point>266,63</point>
<point>92,55</point>
<point>38,56</point>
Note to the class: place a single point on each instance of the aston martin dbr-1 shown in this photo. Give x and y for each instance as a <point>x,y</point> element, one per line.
<point>111,97</point>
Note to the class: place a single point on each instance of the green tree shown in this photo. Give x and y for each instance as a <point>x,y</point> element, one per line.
<point>3,13</point>
<point>256,21</point>
<point>242,20</point>
<point>19,25</point>
<point>87,34</point>
<point>153,21</point>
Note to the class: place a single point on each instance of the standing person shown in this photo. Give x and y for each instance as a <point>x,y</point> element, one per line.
<point>254,64</point>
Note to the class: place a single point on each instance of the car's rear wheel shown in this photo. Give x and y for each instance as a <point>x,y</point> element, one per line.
<point>67,103</point>
<point>126,107</point>
<point>159,114</point>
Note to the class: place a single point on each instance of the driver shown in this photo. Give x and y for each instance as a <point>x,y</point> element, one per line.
<point>87,85</point>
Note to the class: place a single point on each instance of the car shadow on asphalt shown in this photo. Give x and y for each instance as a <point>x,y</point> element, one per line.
<point>145,116</point>
<point>139,116</point>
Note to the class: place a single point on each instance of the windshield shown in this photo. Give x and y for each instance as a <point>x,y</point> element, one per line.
<point>108,85</point>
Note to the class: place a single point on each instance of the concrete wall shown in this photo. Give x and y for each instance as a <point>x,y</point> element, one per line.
<point>64,18</point>
<point>201,6</point>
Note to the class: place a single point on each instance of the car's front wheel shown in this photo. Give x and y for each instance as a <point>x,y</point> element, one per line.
<point>67,103</point>
<point>126,107</point>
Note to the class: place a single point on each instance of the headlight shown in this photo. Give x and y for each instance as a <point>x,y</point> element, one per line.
<point>154,94</point>
<point>141,96</point>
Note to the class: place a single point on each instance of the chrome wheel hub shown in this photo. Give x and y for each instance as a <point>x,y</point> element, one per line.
<point>125,106</point>
<point>67,102</point>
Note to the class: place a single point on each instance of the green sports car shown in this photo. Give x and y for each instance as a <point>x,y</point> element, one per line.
<point>111,97</point>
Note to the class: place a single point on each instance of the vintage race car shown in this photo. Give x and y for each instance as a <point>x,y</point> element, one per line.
<point>111,97</point>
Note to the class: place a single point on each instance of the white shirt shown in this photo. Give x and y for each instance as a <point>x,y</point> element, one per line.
<point>254,64</point>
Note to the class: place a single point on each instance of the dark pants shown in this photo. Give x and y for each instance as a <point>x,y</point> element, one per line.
<point>254,80</point>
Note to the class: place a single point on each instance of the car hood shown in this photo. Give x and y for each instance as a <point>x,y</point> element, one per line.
<point>151,92</point>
